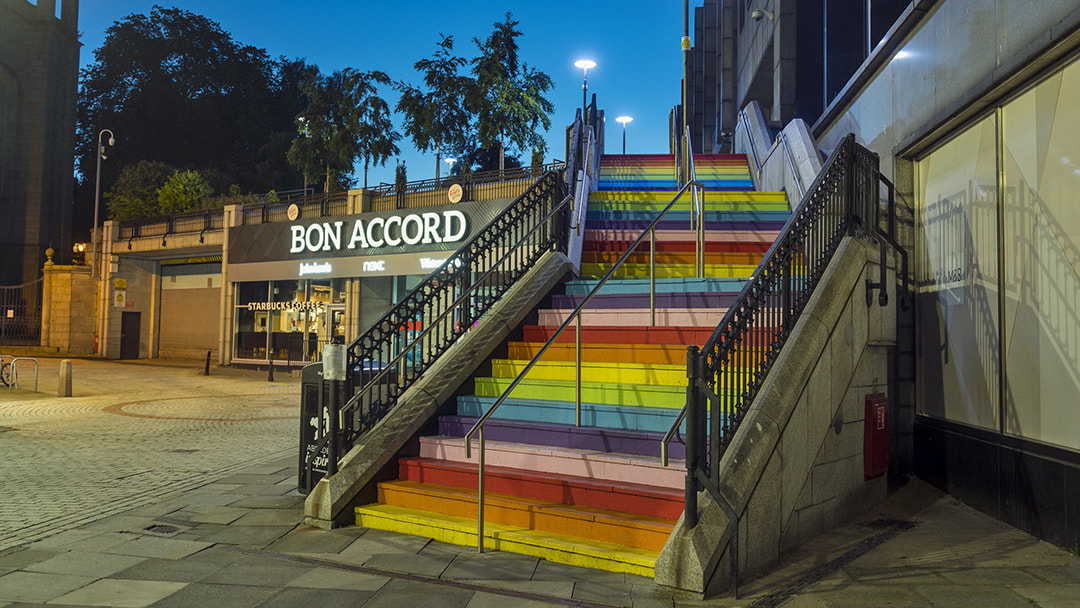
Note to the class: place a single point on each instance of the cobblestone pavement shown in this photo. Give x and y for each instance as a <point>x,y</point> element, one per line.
<point>131,433</point>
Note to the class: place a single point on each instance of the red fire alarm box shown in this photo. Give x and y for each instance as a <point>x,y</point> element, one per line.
<point>876,436</point>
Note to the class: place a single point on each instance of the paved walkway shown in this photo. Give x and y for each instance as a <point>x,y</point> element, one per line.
<point>158,486</point>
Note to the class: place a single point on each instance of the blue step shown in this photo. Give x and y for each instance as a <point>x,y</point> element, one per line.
<point>666,285</point>
<point>626,417</point>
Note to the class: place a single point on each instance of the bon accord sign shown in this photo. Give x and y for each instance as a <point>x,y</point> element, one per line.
<point>402,242</point>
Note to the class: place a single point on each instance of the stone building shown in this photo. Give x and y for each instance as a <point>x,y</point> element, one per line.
<point>39,68</point>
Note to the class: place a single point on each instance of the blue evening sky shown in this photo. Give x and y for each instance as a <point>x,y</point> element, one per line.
<point>635,43</point>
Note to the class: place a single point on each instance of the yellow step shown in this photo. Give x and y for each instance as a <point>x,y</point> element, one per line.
<point>624,373</point>
<point>552,547</point>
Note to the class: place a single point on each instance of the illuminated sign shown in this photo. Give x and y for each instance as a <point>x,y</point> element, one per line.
<point>412,229</point>
<point>315,268</point>
<point>374,266</point>
<point>299,306</point>
<point>430,264</point>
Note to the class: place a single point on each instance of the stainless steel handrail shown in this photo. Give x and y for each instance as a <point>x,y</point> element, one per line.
<point>476,284</point>
<point>791,164</point>
<point>478,427</point>
<point>670,434</point>
<point>698,211</point>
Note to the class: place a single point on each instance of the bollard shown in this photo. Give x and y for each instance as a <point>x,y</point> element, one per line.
<point>270,370</point>
<point>206,372</point>
<point>63,389</point>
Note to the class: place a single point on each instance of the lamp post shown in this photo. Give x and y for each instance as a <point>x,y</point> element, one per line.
<point>584,64</point>
<point>97,196</point>
<point>624,120</point>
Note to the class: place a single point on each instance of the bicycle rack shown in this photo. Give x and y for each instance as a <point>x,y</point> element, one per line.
<point>15,374</point>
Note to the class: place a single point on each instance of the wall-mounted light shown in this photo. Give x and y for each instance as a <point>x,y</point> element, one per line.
<point>758,13</point>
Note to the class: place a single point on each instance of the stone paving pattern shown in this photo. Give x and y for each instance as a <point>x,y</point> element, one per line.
<point>157,486</point>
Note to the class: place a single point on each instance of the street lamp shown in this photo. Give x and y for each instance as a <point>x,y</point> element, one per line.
<point>450,164</point>
<point>97,196</point>
<point>584,64</point>
<point>624,120</point>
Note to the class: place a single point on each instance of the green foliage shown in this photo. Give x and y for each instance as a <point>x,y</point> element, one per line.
<point>173,86</point>
<point>508,99</point>
<point>134,195</point>
<point>345,121</point>
<point>436,119</point>
<point>184,191</point>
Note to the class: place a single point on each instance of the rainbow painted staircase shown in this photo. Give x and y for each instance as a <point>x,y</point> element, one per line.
<point>594,495</point>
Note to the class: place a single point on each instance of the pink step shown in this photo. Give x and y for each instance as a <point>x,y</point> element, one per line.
<point>751,236</point>
<point>554,461</point>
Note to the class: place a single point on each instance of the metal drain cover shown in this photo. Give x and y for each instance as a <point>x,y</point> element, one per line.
<point>159,529</point>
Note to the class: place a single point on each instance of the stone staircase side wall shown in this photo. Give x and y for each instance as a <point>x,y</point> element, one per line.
<point>795,467</point>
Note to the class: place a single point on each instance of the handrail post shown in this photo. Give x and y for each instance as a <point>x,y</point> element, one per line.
<point>480,494</point>
<point>693,436</point>
<point>652,277</point>
<point>577,388</point>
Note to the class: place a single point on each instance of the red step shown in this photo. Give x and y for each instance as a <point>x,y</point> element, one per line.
<point>637,499</point>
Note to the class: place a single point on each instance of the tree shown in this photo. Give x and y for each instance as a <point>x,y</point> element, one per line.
<point>508,98</point>
<point>184,191</point>
<point>437,119</point>
<point>345,121</point>
<point>135,193</point>
<point>175,88</point>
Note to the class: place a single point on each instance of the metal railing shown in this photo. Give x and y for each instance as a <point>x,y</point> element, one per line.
<point>727,373</point>
<point>575,317</point>
<point>20,313</point>
<point>316,205</point>
<point>394,353</point>
<point>490,185</point>
<point>177,223</point>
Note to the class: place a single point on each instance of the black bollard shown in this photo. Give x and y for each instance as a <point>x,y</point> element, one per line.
<point>270,372</point>
<point>206,372</point>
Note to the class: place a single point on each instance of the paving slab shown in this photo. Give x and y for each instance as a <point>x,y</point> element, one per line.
<point>80,563</point>
<point>323,598</point>
<point>39,587</point>
<point>423,565</point>
<point>491,566</point>
<point>411,594</point>
<point>205,595</point>
<point>120,594</point>
<point>329,578</point>
<point>163,548</point>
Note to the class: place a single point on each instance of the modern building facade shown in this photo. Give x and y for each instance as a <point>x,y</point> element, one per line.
<point>971,107</point>
<point>39,68</point>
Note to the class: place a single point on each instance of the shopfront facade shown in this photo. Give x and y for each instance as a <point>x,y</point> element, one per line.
<point>256,291</point>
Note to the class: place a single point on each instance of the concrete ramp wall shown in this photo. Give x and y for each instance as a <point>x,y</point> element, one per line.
<point>795,467</point>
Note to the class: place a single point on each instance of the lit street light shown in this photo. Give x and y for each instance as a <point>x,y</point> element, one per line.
<point>624,120</point>
<point>450,164</point>
<point>97,196</point>
<point>584,64</point>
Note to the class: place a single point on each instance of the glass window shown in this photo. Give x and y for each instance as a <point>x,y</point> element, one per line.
<point>957,244</point>
<point>1041,141</point>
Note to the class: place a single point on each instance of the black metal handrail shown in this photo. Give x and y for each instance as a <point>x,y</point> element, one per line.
<point>480,177</point>
<point>390,356</point>
<point>177,223</point>
<point>730,369</point>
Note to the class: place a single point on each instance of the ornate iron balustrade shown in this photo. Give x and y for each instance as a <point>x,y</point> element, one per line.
<point>388,358</point>
<point>725,377</point>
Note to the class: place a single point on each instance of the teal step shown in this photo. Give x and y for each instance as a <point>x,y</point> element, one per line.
<point>626,417</point>
<point>666,285</point>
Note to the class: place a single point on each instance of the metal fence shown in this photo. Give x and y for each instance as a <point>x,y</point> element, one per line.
<point>487,185</point>
<point>20,314</point>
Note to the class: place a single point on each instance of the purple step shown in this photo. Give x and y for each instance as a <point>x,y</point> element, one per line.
<point>641,300</point>
<point>592,438</point>
<point>639,225</point>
